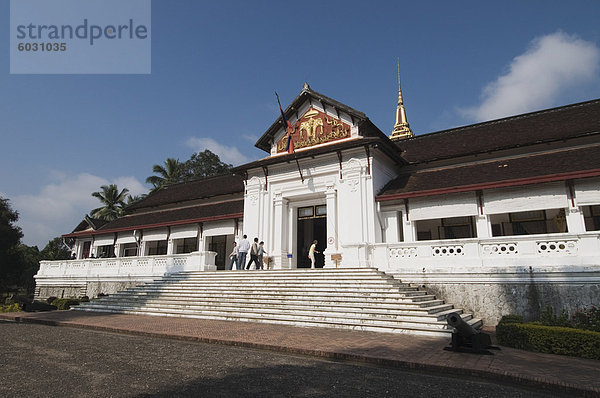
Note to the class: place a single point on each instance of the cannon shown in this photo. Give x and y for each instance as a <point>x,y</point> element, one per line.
<point>466,338</point>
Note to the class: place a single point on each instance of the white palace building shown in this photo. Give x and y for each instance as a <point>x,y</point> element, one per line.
<point>497,217</point>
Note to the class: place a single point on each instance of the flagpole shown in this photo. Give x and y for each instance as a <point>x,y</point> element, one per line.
<point>288,128</point>
<point>298,164</point>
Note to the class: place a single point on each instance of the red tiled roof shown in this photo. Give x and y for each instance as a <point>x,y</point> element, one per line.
<point>553,166</point>
<point>527,129</point>
<point>187,215</point>
<point>225,184</point>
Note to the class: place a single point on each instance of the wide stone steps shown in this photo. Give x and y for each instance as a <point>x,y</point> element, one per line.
<point>408,315</point>
<point>288,304</point>
<point>300,316</point>
<point>251,295</point>
<point>360,299</point>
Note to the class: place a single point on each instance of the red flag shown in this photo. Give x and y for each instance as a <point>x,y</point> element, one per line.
<point>290,143</point>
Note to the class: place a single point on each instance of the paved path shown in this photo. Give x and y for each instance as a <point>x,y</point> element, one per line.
<point>557,373</point>
<point>46,361</point>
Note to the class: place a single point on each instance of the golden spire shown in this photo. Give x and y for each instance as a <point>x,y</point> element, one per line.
<point>401,128</point>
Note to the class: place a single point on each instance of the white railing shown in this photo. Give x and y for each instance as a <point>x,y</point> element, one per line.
<point>129,266</point>
<point>528,250</point>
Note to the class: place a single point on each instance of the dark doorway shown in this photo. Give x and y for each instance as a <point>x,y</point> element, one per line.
<point>218,244</point>
<point>312,225</point>
<point>86,249</point>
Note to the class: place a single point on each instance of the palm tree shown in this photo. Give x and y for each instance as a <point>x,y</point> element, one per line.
<point>112,200</point>
<point>172,172</point>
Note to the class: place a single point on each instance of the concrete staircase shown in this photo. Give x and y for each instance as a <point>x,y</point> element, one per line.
<point>359,299</point>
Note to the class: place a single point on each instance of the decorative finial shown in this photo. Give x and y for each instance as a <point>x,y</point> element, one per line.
<point>401,128</point>
<point>306,86</point>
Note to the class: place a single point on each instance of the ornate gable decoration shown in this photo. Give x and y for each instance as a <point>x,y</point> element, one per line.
<point>314,128</point>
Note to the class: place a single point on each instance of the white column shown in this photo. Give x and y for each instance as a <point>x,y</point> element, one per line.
<point>483,227</point>
<point>409,229</point>
<point>279,250</point>
<point>332,223</point>
<point>574,214</point>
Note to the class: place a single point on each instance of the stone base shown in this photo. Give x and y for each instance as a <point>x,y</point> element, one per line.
<point>491,294</point>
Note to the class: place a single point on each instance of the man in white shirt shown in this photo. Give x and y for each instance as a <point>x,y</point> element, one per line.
<point>243,248</point>
<point>311,253</point>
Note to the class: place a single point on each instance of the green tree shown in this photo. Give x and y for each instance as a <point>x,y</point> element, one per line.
<point>10,239</point>
<point>29,263</point>
<point>204,164</point>
<point>55,250</point>
<point>172,172</point>
<point>113,202</point>
<point>134,199</point>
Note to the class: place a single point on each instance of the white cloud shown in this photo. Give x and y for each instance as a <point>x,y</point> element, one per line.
<point>227,154</point>
<point>535,79</point>
<point>62,204</point>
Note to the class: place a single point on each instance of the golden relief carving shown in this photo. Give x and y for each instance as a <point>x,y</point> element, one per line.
<point>315,128</point>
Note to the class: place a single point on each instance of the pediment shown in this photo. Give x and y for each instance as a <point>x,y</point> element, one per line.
<point>312,109</point>
<point>314,127</point>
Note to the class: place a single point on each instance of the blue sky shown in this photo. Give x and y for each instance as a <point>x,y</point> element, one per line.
<point>216,65</point>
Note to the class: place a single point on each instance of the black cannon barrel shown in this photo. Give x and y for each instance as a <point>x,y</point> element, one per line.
<point>455,320</point>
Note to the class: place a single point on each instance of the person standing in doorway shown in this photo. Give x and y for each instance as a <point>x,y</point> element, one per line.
<point>243,248</point>
<point>311,253</point>
<point>254,254</point>
<point>233,257</point>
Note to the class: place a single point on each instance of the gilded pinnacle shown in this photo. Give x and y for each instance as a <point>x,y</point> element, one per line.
<point>401,127</point>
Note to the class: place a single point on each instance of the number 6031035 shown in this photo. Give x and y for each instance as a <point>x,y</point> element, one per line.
<point>42,47</point>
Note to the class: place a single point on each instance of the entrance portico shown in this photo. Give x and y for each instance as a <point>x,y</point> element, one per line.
<point>292,198</point>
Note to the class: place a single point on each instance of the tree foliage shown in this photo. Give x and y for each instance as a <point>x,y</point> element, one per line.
<point>172,172</point>
<point>199,165</point>
<point>11,262</point>
<point>113,202</point>
<point>204,164</point>
<point>10,234</point>
<point>55,250</point>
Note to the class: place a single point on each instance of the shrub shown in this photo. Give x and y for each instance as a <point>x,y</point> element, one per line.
<point>14,307</point>
<point>549,339</point>
<point>587,319</point>
<point>511,319</point>
<point>65,303</point>
<point>548,318</point>
<point>50,299</point>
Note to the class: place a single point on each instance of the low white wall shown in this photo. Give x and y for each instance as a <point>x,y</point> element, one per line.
<point>108,275</point>
<point>504,275</point>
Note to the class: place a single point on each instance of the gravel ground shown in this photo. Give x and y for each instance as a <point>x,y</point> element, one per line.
<point>46,361</point>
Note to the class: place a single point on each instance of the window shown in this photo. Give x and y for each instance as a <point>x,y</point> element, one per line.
<point>457,228</point>
<point>187,245</point>
<point>446,228</point>
<point>157,247</point>
<point>312,211</point>
<point>529,222</point>
<point>591,215</point>
<point>129,250</point>
<point>106,251</point>
<point>306,212</point>
<point>321,210</point>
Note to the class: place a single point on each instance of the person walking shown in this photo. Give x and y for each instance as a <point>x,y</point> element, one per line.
<point>261,253</point>
<point>233,258</point>
<point>243,248</point>
<point>311,253</point>
<point>254,254</point>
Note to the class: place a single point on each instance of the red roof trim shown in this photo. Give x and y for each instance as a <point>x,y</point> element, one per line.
<point>491,185</point>
<point>158,225</point>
